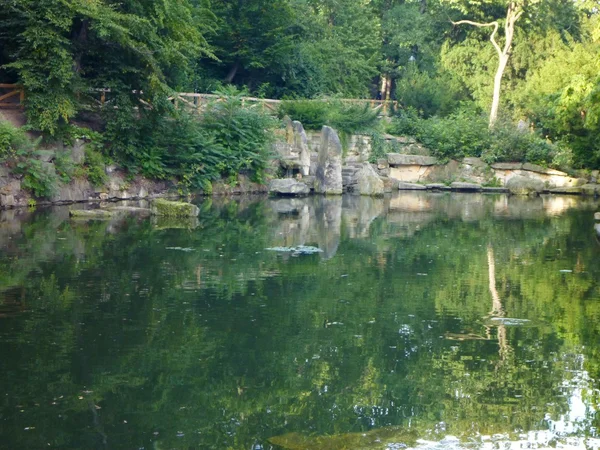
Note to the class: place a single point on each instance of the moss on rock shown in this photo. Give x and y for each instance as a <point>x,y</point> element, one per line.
<point>161,207</point>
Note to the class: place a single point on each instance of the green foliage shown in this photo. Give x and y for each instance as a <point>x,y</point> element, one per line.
<point>313,114</point>
<point>12,140</point>
<point>345,117</point>
<point>65,167</point>
<point>95,167</point>
<point>38,177</point>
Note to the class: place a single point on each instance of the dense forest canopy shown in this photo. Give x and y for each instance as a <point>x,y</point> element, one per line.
<point>421,53</point>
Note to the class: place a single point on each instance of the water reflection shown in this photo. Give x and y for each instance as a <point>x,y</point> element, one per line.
<point>427,321</point>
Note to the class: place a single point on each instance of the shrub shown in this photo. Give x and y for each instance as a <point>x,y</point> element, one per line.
<point>352,118</point>
<point>313,114</point>
<point>12,140</point>
<point>65,167</point>
<point>94,167</point>
<point>458,135</point>
<point>38,177</point>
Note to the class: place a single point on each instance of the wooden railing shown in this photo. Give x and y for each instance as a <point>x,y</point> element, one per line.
<point>14,98</point>
<point>193,101</point>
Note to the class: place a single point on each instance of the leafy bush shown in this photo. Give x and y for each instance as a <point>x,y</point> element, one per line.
<point>12,140</point>
<point>313,114</point>
<point>65,167</point>
<point>38,177</point>
<point>508,143</point>
<point>94,167</point>
<point>167,143</point>
<point>352,118</point>
<point>458,135</point>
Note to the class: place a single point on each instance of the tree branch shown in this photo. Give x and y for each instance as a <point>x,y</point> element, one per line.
<point>481,25</point>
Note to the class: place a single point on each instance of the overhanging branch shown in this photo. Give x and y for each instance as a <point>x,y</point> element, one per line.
<point>482,25</point>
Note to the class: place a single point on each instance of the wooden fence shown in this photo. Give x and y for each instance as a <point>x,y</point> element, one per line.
<point>12,96</point>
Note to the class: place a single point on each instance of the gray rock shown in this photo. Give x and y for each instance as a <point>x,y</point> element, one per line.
<point>507,166</point>
<point>566,190</point>
<point>301,146</point>
<point>4,171</point>
<point>390,184</point>
<point>162,207</point>
<point>597,216</point>
<point>130,209</point>
<point>539,169</point>
<point>467,187</point>
<point>590,189</point>
<point>437,187</point>
<point>383,163</point>
<point>396,159</point>
<point>90,214</point>
<point>475,162</point>
<point>10,186</point>
<point>329,164</point>
<point>7,201</point>
<point>78,151</point>
<point>495,190</point>
<point>45,155</point>
<point>369,182</point>
<point>288,186</point>
<point>519,185</point>
<point>290,164</point>
<point>410,186</point>
<point>308,180</point>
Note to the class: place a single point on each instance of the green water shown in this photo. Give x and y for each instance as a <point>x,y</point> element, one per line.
<point>129,334</point>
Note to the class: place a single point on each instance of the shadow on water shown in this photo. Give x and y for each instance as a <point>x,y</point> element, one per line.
<point>422,321</point>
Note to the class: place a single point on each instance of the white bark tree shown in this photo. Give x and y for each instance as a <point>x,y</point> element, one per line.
<point>513,13</point>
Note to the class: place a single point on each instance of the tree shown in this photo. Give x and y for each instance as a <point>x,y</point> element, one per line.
<point>513,14</point>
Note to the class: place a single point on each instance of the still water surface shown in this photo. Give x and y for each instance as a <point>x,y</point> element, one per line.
<point>422,321</point>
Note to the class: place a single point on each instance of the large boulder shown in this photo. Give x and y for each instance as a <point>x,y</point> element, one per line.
<point>397,159</point>
<point>329,164</point>
<point>520,185</point>
<point>301,147</point>
<point>369,182</point>
<point>410,186</point>
<point>162,207</point>
<point>288,186</point>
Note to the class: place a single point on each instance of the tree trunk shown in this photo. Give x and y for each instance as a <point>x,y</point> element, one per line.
<point>502,62</point>
<point>232,72</point>
<point>512,15</point>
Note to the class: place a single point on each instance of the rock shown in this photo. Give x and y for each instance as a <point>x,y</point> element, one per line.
<point>495,190</point>
<point>288,186</point>
<point>390,184</point>
<point>475,162</point>
<point>519,185</point>
<point>130,209</point>
<point>10,186</point>
<point>78,151</point>
<point>384,172</point>
<point>383,163</point>
<point>539,169</point>
<point>590,189</point>
<point>161,207</point>
<point>369,182</point>
<point>301,146</point>
<point>45,155</point>
<point>4,171</point>
<point>290,164</point>
<point>507,166</point>
<point>90,214</point>
<point>566,190</point>
<point>437,187</point>
<point>7,201</point>
<point>466,187</point>
<point>597,216</point>
<point>410,186</point>
<point>396,159</point>
<point>329,164</point>
<point>308,180</point>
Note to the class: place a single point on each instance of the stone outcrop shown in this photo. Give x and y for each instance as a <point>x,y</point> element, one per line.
<point>301,147</point>
<point>520,185</point>
<point>465,187</point>
<point>162,207</point>
<point>410,186</point>
<point>90,214</point>
<point>369,182</point>
<point>288,186</point>
<point>329,164</point>
<point>396,159</point>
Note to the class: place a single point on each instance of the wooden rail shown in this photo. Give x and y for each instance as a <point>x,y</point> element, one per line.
<point>194,101</point>
<point>15,96</point>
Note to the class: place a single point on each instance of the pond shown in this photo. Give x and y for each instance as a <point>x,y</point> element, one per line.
<point>426,321</point>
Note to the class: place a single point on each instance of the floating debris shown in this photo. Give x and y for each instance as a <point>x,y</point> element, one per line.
<point>181,249</point>
<point>299,250</point>
<point>509,321</point>
<point>565,271</point>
